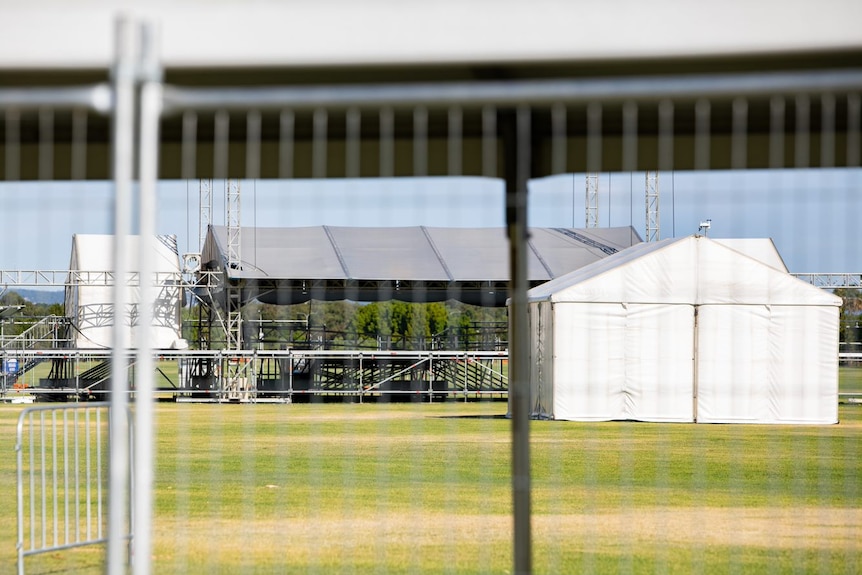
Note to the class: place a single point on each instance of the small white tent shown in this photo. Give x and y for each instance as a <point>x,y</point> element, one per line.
<point>684,329</point>
<point>89,294</point>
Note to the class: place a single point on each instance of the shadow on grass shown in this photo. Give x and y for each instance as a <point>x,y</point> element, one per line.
<point>472,416</point>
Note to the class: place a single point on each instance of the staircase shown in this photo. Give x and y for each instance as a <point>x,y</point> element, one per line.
<point>50,332</point>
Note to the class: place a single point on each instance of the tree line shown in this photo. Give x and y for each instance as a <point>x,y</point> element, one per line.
<point>28,315</point>
<point>851,310</point>
<point>390,325</point>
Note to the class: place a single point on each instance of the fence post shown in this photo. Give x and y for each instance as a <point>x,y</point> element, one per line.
<point>150,112</point>
<point>123,137</point>
<point>517,141</point>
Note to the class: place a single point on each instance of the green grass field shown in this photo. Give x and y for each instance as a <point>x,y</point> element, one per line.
<point>418,488</point>
<point>850,380</point>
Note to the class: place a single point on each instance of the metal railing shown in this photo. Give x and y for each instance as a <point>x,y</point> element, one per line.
<point>62,478</point>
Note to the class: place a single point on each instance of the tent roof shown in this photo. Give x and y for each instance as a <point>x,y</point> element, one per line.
<point>278,264</point>
<point>762,249</point>
<point>691,270</point>
<point>94,252</point>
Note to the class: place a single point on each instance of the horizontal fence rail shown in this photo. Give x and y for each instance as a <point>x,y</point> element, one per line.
<point>513,93</point>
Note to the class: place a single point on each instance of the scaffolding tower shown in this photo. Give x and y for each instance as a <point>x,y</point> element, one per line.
<point>592,200</point>
<point>653,231</point>
<point>205,200</point>
<point>234,263</point>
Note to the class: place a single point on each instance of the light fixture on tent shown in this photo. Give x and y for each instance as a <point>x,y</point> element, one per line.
<point>704,226</point>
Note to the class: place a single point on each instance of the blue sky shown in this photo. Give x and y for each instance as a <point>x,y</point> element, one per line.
<point>812,215</point>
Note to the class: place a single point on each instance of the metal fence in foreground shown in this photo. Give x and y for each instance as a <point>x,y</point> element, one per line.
<point>62,479</point>
<point>509,130</point>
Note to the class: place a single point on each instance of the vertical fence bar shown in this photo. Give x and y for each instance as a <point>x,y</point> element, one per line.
<point>802,154</point>
<point>32,486</point>
<point>66,530</point>
<point>189,145</point>
<point>776,132</point>
<point>630,137</point>
<point>319,143</point>
<point>665,135</point>
<point>13,144</point>
<point>827,131</point>
<point>221,145</point>
<point>739,137</point>
<point>594,138</point>
<point>420,142</point>
<point>79,144</point>
<point>352,144</point>
<point>150,111</point>
<point>87,474</point>
<point>518,162</point>
<point>123,139</point>
<point>454,161</point>
<point>558,139</point>
<point>44,485</point>
<point>54,473</point>
<point>854,120</point>
<point>46,143</point>
<point>19,474</point>
<point>77,471</point>
<point>489,142</point>
<point>702,112</point>
<point>99,463</point>
<point>252,147</point>
<point>285,145</point>
<point>387,145</point>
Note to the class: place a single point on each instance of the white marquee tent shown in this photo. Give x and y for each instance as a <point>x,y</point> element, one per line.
<point>89,295</point>
<point>684,330</point>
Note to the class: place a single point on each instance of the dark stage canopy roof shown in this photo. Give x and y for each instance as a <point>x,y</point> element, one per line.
<point>293,265</point>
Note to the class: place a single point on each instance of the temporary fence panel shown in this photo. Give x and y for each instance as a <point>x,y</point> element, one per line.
<point>385,487</point>
<point>62,479</point>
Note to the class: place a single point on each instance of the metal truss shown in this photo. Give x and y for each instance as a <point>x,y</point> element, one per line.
<point>833,280</point>
<point>653,229</point>
<point>592,200</point>
<point>205,200</point>
<point>68,278</point>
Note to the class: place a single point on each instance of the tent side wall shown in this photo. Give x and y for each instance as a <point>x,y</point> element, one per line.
<point>659,362</point>
<point>588,363</point>
<point>90,306</point>
<point>541,359</point>
<point>768,364</point>
<point>616,361</point>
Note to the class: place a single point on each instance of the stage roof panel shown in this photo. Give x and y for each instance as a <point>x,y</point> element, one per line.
<point>292,265</point>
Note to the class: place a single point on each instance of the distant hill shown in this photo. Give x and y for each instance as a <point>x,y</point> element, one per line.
<point>41,296</point>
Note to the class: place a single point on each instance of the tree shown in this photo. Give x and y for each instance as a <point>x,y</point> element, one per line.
<point>850,313</point>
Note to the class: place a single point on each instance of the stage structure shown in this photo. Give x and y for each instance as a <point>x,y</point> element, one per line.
<point>88,324</point>
<point>284,266</point>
